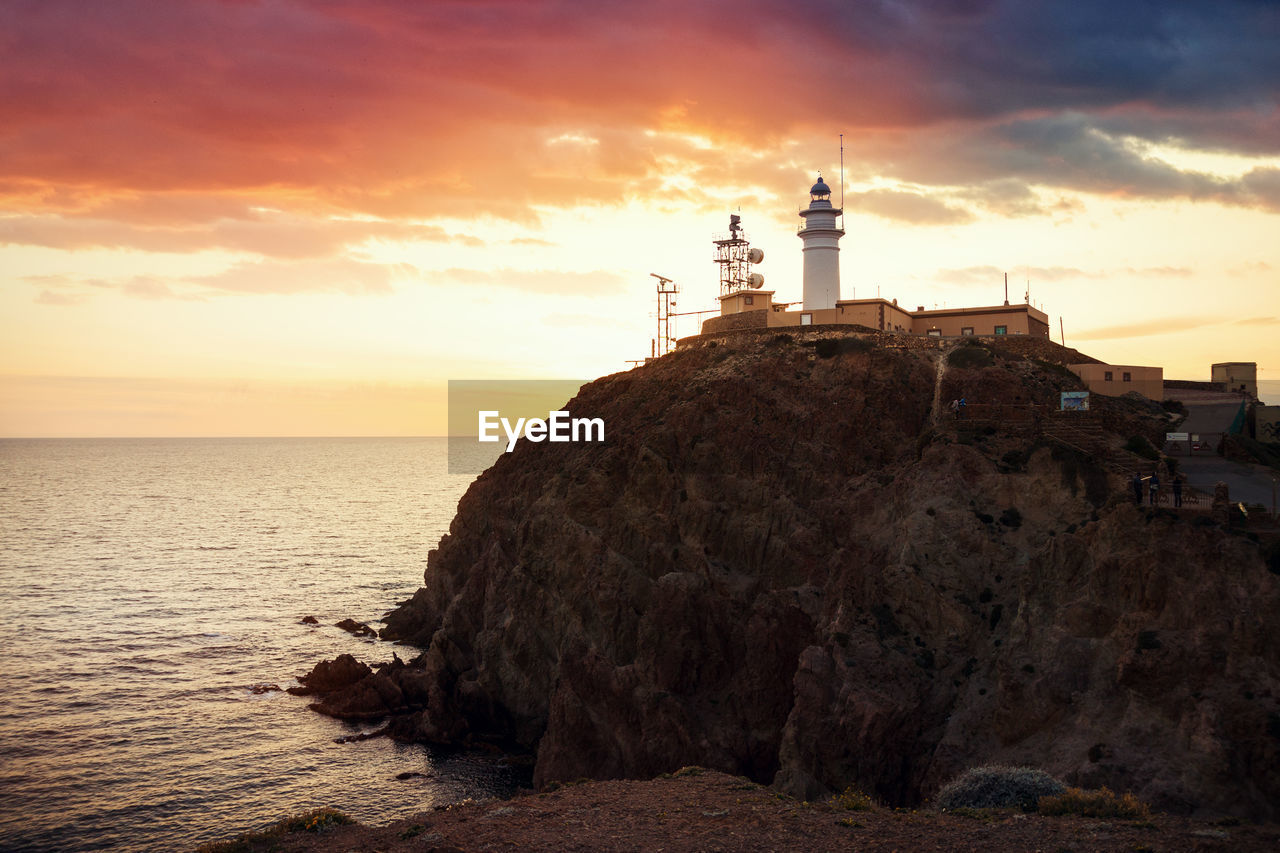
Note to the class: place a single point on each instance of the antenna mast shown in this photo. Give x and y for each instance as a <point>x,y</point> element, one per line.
<point>666,340</point>
<point>842,180</point>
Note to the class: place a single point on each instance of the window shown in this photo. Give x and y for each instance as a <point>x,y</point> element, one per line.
<point>806,319</point>
<point>1126,377</point>
<point>1002,330</point>
<point>966,330</point>
<point>934,333</point>
<point>748,300</point>
<point>1107,376</point>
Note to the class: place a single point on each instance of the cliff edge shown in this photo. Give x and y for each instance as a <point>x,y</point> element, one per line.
<point>790,561</point>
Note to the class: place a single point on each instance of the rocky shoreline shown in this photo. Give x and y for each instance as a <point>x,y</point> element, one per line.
<point>695,810</point>
<point>789,565</point>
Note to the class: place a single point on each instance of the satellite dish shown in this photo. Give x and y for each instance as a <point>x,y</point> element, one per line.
<point>755,256</point>
<point>755,279</point>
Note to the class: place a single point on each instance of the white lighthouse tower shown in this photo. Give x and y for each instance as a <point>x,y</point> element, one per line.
<point>821,238</point>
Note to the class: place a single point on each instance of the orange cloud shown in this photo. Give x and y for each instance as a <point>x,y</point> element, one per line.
<point>191,113</point>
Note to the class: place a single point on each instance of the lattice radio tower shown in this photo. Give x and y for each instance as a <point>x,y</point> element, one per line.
<point>735,256</point>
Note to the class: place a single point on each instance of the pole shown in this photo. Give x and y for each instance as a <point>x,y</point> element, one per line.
<point>1006,288</point>
<point>842,180</point>
<point>1062,335</point>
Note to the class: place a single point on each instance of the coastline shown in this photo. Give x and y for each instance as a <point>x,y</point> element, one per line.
<point>700,810</point>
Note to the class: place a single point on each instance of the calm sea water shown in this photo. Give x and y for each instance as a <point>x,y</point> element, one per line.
<point>147,584</point>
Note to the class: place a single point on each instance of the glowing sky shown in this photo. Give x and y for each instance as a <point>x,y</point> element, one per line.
<point>300,218</point>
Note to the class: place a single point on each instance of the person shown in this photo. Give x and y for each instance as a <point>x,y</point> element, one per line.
<point>1137,488</point>
<point>1155,488</point>
<point>1177,490</point>
<point>960,410</point>
<point>955,409</point>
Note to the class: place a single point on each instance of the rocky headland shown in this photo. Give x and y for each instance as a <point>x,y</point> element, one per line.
<point>790,562</point>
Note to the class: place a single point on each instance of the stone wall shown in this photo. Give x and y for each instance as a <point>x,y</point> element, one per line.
<point>729,322</point>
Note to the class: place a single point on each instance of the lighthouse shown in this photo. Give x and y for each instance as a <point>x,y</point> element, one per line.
<point>821,238</point>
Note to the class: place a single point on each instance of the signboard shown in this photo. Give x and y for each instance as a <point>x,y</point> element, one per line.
<point>1176,436</point>
<point>1075,401</point>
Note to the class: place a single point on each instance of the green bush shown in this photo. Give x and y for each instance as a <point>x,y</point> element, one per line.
<point>999,787</point>
<point>1100,803</point>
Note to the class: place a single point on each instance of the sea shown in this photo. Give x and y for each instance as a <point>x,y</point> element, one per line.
<point>151,594</point>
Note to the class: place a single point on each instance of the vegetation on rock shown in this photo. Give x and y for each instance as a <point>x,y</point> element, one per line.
<point>998,787</point>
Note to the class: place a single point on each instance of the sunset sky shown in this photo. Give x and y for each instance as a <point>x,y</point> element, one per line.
<point>303,218</point>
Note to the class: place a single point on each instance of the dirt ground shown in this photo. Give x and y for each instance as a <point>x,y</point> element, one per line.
<point>697,810</point>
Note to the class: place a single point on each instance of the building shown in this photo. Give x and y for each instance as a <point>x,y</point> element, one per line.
<point>821,236</point>
<point>1237,376</point>
<point>746,307</point>
<point>1266,424</point>
<point>1116,379</point>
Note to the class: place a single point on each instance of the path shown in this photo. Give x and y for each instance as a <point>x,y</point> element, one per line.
<point>943,355</point>
<point>1251,484</point>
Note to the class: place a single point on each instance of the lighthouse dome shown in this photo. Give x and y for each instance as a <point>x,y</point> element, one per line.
<point>820,188</point>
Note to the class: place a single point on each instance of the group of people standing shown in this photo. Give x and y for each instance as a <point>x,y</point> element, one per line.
<point>1153,487</point>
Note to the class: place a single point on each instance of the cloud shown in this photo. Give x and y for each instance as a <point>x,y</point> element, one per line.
<point>558,282</point>
<point>989,274</point>
<point>1162,326</point>
<point>909,207</point>
<point>270,235</point>
<point>1258,321</point>
<point>169,115</point>
<point>1160,272</point>
<point>1249,268</point>
<point>338,275</point>
<point>53,297</point>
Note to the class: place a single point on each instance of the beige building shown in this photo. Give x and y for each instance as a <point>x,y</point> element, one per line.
<point>1266,424</point>
<point>1237,376</point>
<point>745,309</point>
<point>1116,379</point>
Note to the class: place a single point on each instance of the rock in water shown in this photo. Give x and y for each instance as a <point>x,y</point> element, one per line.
<point>360,629</point>
<point>783,564</point>
<point>327,676</point>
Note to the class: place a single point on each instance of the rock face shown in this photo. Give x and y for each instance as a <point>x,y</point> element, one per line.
<point>786,562</point>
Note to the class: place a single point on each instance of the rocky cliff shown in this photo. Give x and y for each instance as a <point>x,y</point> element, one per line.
<point>788,561</point>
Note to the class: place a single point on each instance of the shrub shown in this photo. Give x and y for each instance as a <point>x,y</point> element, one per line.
<point>998,787</point>
<point>830,347</point>
<point>1011,518</point>
<point>852,800</point>
<point>316,820</point>
<point>972,355</point>
<point>1100,803</point>
<point>1139,446</point>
